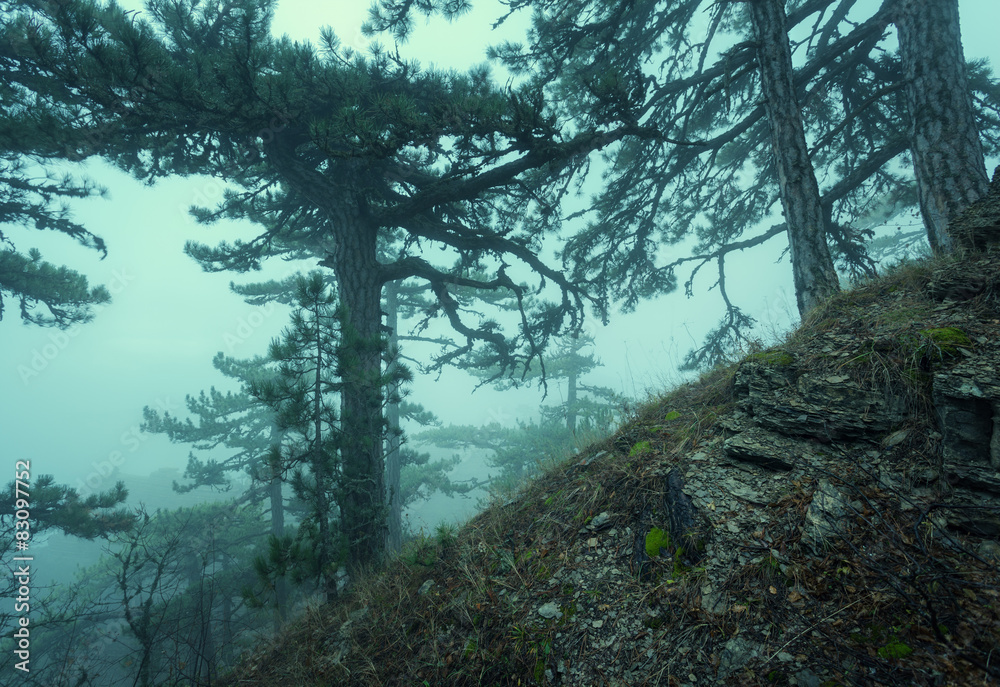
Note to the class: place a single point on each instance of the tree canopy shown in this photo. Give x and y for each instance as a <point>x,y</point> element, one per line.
<point>691,70</point>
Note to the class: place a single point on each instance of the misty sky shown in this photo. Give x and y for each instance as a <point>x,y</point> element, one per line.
<point>73,400</point>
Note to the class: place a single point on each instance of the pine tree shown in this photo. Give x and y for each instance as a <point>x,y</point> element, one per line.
<point>302,396</point>
<point>947,152</point>
<point>168,591</point>
<point>812,267</point>
<point>45,506</point>
<point>341,150</point>
<point>240,423</point>
<point>32,134</point>
<point>65,297</point>
<point>711,175</point>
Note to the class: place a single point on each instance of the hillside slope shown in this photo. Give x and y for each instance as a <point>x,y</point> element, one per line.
<point>822,513</point>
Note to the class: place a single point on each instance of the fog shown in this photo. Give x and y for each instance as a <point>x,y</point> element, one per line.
<point>72,400</point>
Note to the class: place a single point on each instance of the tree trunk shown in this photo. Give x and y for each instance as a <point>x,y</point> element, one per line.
<point>571,400</point>
<point>277,504</point>
<point>812,268</point>
<point>944,141</point>
<point>392,457</point>
<point>359,279</point>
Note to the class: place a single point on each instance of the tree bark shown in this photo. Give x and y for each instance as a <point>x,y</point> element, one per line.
<point>393,467</point>
<point>359,280</point>
<point>352,244</point>
<point>947,152</point>
<point>812,268</point>
<point>277,504</point>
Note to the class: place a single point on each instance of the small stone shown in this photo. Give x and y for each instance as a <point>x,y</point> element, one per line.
<point>550,610</point>
<point>806,678</point>
<point>598,623</point>
<point>990,549</point>
<point>600,520</point>
<point>785,657</point>
<point>425,587</point>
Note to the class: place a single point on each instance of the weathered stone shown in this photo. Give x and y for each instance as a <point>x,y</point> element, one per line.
<point>825,515</point>
<point>550,610</point>
<point>967,404</point>
<point>600,521</point>
<point>806,678</point>
<point>781,398</point>
<point>767,449</point>
<point>737,653</point>
<point>681,518</point>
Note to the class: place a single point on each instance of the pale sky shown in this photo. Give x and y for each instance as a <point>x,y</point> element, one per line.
<point>72,401</point>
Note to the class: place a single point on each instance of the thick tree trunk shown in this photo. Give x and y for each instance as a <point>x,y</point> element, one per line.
<point>352,243</point>
<point>944,141</point>
<point>359,279</point>
<point>394,541</point>
<point>812,268</point>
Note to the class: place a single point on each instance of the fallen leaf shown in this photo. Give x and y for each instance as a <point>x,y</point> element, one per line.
<point>772,589</point>
<point>794,596</point>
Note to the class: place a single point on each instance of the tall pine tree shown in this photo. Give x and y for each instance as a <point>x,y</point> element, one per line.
<point>345,148</point>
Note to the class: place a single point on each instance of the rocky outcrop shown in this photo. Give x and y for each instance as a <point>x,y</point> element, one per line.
<point>789,414</point>
<point>780,396</point>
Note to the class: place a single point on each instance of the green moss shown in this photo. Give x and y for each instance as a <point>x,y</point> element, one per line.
<point>778,358</point>
<point>539,671</point>
<point>656,539</point>
<point>672,415</point>
<point>895,649</point>
<point>937,344</point>
<point>641,448</point>
<point>947,339</point>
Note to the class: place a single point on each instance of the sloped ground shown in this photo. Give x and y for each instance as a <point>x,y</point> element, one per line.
<point>799,518</point>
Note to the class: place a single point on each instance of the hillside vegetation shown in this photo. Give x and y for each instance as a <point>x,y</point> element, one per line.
<point>823,512</point>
